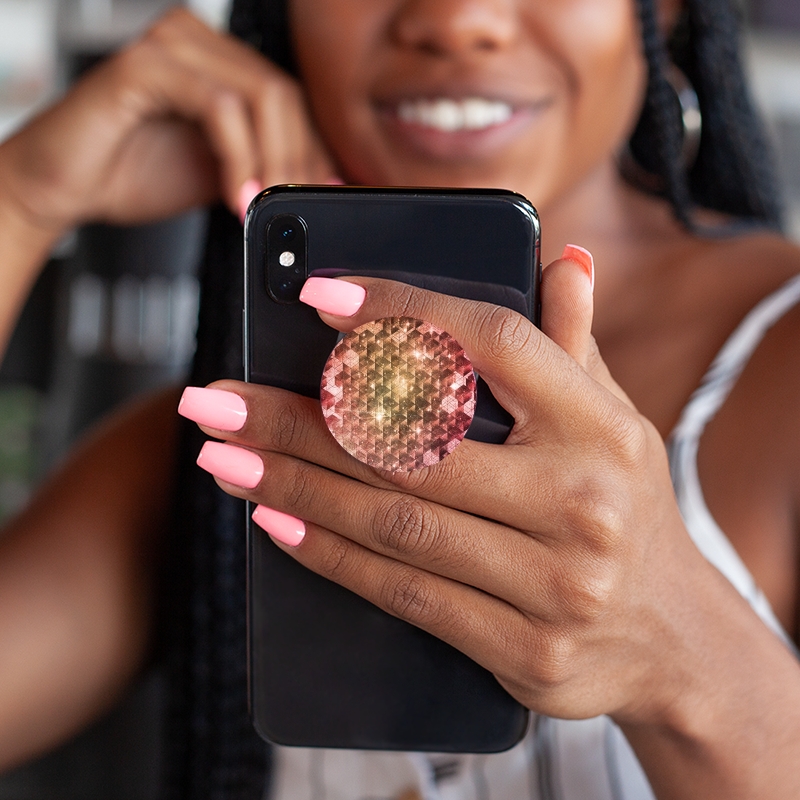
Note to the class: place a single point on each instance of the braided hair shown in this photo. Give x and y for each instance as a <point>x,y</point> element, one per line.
<point>211,748</point>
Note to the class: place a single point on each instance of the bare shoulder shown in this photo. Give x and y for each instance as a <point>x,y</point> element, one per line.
<point>759,267</point>
<point>756,263</point>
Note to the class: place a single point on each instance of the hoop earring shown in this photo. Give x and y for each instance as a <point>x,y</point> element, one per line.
<point>691,121</point>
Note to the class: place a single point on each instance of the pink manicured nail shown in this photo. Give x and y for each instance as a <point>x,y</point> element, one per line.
<point>232,464</point>
<point>580,255</point>
<point>334,296</point>
<point>216,408</point>
<point>249,190</point>
<point>283,527</point>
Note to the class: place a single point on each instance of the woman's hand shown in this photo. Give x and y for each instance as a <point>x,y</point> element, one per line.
<point>180,117</point>
<point>543,559</point>
<point>557,560</point>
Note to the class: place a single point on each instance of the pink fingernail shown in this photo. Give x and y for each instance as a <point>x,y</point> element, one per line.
<point>232,464</point>
<point>250,188</point>
<point>283,527</point>
<point>334,180</point>
<point>216,408</point>
<point>580,255</point>
<point>334,296</point>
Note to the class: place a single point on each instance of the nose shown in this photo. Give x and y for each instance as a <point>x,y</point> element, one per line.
<point>450,27</point>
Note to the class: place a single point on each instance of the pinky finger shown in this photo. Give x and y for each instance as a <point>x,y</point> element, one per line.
<point>481,626</point>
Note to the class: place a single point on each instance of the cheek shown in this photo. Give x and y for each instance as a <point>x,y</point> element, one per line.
<point>332,42</point>
<point>611,72</point>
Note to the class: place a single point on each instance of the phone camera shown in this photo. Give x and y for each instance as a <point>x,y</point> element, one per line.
<point>286,257</point>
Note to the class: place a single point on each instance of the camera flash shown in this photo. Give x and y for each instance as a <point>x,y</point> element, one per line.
<point>286,258</point>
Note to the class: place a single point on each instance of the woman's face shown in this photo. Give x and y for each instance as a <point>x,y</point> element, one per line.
<point>530,95</point>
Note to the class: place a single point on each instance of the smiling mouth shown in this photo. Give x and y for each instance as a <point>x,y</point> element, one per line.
<point>451,116</point>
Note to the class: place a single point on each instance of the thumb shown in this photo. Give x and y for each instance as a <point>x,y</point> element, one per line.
<point>567,310</point>
<point>568,303</point>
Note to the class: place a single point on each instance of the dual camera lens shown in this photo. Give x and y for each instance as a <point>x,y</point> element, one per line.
<point>287,241</point>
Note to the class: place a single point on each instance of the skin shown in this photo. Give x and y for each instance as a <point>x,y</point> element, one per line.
<point>577,584</point>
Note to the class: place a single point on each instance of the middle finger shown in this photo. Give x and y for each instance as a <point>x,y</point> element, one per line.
<point>515,485</point>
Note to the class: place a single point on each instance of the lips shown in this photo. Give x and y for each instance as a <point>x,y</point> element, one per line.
<point>460,119</point>
<point>458,128</point>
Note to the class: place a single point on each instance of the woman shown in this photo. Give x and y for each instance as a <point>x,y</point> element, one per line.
<point>581,583</point>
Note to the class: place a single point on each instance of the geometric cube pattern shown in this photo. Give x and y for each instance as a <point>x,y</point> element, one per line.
<point>398,393</point>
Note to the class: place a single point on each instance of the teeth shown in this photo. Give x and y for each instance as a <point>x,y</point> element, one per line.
<point>447,115</point>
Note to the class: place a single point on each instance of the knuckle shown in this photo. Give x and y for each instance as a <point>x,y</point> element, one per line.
<point>589,591</point>
<point>403,296</point>
<point>405,525</point>
<point>179,20</point>
<point>287,427</point>
<point>506,333</point>
<point>627,438</point>
<point>299,490</point>
<point>551,665</point>
<point>412,598</point>
<point>594,514</point>
<point>131,60</point>
<point>334,560</point>
<point>167,27</point>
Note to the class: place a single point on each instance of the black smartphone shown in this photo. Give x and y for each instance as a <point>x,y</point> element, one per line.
<point>327,668</point>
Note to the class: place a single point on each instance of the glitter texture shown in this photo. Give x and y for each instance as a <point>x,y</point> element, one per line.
<point>398,393</point>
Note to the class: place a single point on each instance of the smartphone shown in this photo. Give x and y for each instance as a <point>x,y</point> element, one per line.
<point>327,668</point>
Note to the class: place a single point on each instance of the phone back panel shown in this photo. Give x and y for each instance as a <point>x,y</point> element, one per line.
<point>327,668</point>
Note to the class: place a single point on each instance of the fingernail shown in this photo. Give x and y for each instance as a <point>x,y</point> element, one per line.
<point>283,527</point>
<point>334,296</point>
<point>250,188</point>
<point>216,408</point>
<point>334,180</point>
<point>580,255</point>
<point>232,464</point>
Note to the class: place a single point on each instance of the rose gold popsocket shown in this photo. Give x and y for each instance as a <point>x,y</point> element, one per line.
<point>398,393</point>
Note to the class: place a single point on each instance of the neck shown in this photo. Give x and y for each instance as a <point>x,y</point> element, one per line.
<point>609,217</point>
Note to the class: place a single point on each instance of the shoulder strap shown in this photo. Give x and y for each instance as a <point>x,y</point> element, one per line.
<point>684,441</point>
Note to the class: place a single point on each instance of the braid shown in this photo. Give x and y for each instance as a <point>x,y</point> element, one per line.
<point>656,143</point>
<point>733,172</point>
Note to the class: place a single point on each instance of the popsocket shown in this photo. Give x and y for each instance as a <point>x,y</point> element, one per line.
<point>398,393</point>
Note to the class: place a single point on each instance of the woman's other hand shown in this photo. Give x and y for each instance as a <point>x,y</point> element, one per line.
<point>179,118</point>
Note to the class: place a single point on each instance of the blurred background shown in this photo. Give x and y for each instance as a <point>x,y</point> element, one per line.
<point>114,314</point>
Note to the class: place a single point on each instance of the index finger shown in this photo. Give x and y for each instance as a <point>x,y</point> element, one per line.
<point>523,367</point>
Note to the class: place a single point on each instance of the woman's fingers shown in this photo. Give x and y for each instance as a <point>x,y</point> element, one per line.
<point>506,563</point>
<point>167,87</point>
<point>284,145</point>
<point>182,116</point>
<point>567,311</point>
<point>515,485</point>
<point>530,375</point>
<point>490,631</point>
